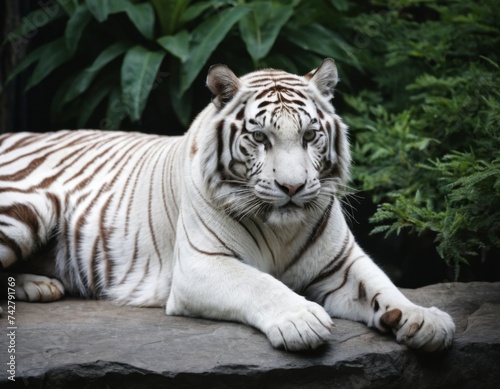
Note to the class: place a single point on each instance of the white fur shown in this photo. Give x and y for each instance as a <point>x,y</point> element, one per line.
<point>150,220</point>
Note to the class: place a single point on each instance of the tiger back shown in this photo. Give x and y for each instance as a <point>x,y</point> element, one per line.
<point>239,219</point>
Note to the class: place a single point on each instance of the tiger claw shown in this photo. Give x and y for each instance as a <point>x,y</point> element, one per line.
<point>34,288</point>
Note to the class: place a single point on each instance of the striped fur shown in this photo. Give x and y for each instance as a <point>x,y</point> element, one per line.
<point>237,220</point>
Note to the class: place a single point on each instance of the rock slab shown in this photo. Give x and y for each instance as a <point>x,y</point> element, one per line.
<point>96,344</point>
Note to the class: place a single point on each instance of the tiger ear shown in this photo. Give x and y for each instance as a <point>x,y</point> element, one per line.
<point>223,84</point>
<point>325,77</point>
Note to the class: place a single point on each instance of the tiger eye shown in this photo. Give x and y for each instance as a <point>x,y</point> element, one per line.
<point>259,136</point>
<point>309,135</point>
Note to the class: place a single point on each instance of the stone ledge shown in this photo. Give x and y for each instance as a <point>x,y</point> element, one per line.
<point>96,344</point>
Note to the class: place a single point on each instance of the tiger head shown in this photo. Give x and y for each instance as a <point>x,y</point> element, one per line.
<point>277,150</point>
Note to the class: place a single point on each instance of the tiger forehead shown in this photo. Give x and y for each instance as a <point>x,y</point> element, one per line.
<point>271,77</point>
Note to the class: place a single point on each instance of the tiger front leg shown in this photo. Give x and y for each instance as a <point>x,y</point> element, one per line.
<point>361,291</point>
<point>226,289</point>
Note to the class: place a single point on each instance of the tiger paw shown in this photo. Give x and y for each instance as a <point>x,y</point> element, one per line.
<point>427,329</point>
<point>304,328</point>
<point>34,288</point>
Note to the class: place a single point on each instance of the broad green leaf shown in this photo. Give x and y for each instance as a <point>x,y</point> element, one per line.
<point>115,112</point>
<point>322,41</point>
<point>75,26</point>
<point>195,10</point>
<point>182,103</point>
<point>315,38</point>
<point>92,99</point>
<point>83,80</point>
<point>53,55</point>
<point>260,28</point>
<point>27,61</point>
<point>177,44</point>
<point>99,8</point>
<point>205,38</point>
<point>141,14</point>
<point>56,106</point>
<point>31,23</point>
<point>138,74</point>
<point>143,17</point>
<point>169,13</point>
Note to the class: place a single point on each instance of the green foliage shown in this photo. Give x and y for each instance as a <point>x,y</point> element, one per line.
<point>427,140</point>
<point>115,53</point>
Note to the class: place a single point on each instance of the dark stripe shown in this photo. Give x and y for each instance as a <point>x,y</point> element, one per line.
<point>56,203</point>
<point>220,146</point>
<point>35,152</point>
<point>264,93</point>
<point>46,182</point>
<point>104,233</point>
<point>361,291</point>
<point>26,139</point>
<point>212,254</point>
<point>150,215</point>
<point>298,102</point>
<point>265,240</point>
<point>259,80</point>
<point>374,302</point>
<point>249,233</point>
<point>25,214</point>
<point>234,131</point>
<point>244,151</point>
<point>16,190</point>
<point>265,103</point>
<point>78,240</point>
<point>122,158</point>
<point>93,266</point>
<point>300,94</point>
<point>329,130</point>
<point>133,260</point>
<point>333,267</point>
<point>344,281</point>
<point>214,234</point>
<point>77,153</point>
<point>47,147</point>
<point>304,112</point>
<point>337,136</point>
<point>20,174</point>
<point>172,171</point>
<point>316,232</point>
<point>241,113</point>
<point>164,196</point>
<point>288,78</point>
<point>138,166</point>
<point>96,170</point>
<point>3,137</point>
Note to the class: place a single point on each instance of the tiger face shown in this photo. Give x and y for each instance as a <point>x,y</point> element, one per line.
<point>282,152</point>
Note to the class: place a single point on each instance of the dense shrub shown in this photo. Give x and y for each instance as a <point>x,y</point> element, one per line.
<point>428,132</point>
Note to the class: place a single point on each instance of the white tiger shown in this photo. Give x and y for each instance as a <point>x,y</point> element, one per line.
<point>238,219</point>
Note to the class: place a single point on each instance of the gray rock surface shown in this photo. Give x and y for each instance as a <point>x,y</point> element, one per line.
<point>96,344</point>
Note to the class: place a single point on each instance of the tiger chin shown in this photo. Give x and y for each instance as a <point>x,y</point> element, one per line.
<point>239,219</point>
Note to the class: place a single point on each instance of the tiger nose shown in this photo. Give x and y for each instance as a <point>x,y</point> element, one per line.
<point>290,190</point>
